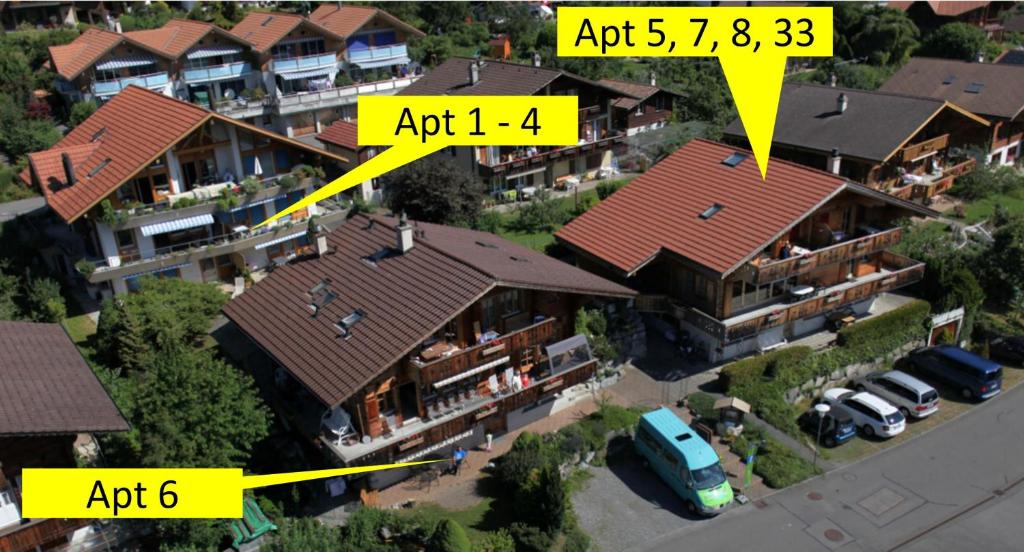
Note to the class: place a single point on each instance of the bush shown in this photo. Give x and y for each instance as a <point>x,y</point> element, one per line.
<point>44,301</point>
<point>490,221</point>
<point>542,214</point>
<point>250,185</point>
<point>498,541</point>
<point>80,111</point>
<point>593,324</point>
<point>888,331</point>
<point>449,536</point>
<point>606,188</point>
<point>777,465</point>
<point>702,404</point>
<point>529,538</point>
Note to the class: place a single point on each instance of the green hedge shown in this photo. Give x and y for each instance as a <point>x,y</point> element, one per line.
<point>777,465</point>
<point>702,404</point>
<point>887,331</point>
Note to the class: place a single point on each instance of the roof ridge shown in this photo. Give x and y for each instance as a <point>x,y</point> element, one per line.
<point>435,248</point>
<point>774,160</point>
<point>961,62</point>
<point>863,91</point>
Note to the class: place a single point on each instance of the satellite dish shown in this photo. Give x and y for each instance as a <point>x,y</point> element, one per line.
<point>229,93</point>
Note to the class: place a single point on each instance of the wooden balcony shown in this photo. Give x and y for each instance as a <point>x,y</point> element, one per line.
<point>511,344</point>
<point>914,151</point>
<point>38,533</point>
<point>897,271</point>
<point>764,271</point>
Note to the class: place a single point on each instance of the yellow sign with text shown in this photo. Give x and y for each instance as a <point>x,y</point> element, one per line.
<point>415,126</point>
<point>153,492</point>
<point>752,44</point>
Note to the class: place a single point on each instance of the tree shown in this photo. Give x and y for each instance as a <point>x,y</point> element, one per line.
<point>885,36</point>
<point>542,214</point>
<point>148,16</point>
<point>442,17</point>
<point>15,75</point>
<point>44,301</point>
<point>362,530</point>
<point>8,296</point>
<point>164,313</point>
<point>303,534</point>
<point>449,536</point>
<point>955,41</point>
<point>431,50</point>
<point>1006,260</point>
<point>81,111</point>
<point>593,324</point>
<point>20,135</point>
<point>549,500</point>
<point>434,189</point>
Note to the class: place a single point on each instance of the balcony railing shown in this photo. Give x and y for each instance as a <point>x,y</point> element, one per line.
<point>302,63</point>
<point>467,359</point>
<point>898,271</point>
<point>933,183</point>
<point>559,153</point>
<point>770,270</point>
<point>106,88</point>
<point>377,53</point>
<point>914,151</point>
<point>340,95</point>
<point>216,72</point>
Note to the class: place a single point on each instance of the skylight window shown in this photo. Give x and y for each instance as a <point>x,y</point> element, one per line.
<point>267,21</point>
<point>487,245</point>
<point>974,88</point>
<point>712,211</point>
<point>949,79</point>
<point>734,159</point>
<point>378,256</point>
<point>346,324</point>
<point>98,134</point>
<point>96,170</point>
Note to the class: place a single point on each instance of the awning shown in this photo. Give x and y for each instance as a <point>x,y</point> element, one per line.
<point>213,51</point>
<point>175,225</point>
<point>474,371</point>
<point>155,270</point>
<point>525,173</point>
<point>402,60</point>
<point>282,239</point>
<point>122,62</point>
<point>322,72</point>
<point>259,202</point>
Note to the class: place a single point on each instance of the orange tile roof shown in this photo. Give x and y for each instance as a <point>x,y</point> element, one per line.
<point>941,8</point>
<point>178,35</point>
<point>263,29</point>
<point>345,20</point>
<point>661,209</point>
<point>71,59</point>
<point>140,125</point>
<point>341,133</point>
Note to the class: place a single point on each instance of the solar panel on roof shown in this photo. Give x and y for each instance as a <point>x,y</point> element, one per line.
<point>734,159</point>
<point>974,88</point>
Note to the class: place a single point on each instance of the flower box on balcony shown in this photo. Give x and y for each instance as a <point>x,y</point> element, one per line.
<point>487,411</point>
<point>411,442</point>
<point>553,384</point>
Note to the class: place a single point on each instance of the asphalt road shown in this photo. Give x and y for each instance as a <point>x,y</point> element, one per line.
<point>11,210</point>
<point>958,487</point>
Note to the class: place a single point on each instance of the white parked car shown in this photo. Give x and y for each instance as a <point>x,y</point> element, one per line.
<point>871,413</point>
<point>910,395</point>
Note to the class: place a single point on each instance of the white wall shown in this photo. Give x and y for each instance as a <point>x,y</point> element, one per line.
<point>108,244</point>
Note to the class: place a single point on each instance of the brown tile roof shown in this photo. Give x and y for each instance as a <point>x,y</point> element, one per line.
<point>341,133</point>
<point>1000,93</point>
<point>178,35</point>
<point>263,29</point>
<point>808,119</point>
<point>46,386</point>
<point>347,19</point>
<point>638,92</point>
<point>942,8</point>
<point>497,78</point>
<point>123,137</point>
<point>71,59</point>
<point>661,209</point>
<point>406,298</point>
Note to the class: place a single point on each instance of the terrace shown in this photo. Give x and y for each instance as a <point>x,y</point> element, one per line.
<point>378,56</point>
<point>152,81</point>
<point>766,269</point>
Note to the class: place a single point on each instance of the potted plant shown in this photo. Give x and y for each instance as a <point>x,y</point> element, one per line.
<point>287,182</point>
<point>227,201</point>
<point>250,185</point>
<point>85,267</point>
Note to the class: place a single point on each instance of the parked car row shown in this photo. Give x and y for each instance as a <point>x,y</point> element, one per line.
<point>881,402</point>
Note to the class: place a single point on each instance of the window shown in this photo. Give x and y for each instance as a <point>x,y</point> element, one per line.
<point>734,159</point>
<point>125,238</point>
<point>712,211</point>
<point>974,88</point>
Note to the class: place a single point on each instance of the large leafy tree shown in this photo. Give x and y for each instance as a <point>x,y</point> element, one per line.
<point>886,36</point>
<point>302,534</point>
<point>1007,260</point>
<point>434,189</point>
<point>955,41</point>
<point>164,313</point>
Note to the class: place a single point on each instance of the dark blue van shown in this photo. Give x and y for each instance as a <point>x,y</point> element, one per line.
<point>976,377</point>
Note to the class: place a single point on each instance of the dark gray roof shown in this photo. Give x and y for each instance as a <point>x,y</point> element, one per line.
<point>405,298</point>
<point>1012,57</point>
<point>873,126</point>
<point>46,387</point>
<point>948,79</point>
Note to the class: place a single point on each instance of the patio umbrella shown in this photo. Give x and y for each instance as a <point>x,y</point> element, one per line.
<point>257,168</point>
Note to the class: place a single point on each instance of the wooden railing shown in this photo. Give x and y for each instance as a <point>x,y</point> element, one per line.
<point>904,271</point>
<point>914,151</point>
<point>772,270</point>
<point>653,303</point>
<point>510,344</point>
<point>38,532</point>
<point>542,157</point>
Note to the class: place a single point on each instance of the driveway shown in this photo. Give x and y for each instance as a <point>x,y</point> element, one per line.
<point>957,487</point>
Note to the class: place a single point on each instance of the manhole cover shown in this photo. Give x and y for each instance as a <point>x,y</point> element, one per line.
<point>834,535</point>
<point>814,495</point>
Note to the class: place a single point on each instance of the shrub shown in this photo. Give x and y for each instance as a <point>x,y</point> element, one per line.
<point>529,538</point>
<point>489,221</point>
<point>702,404</point>
<point>287,182</point>
<point>593,324</point>
<point>887,331</point>
<point>85,267</point>
<point>250,185</point>
<point>606,188</point>
<point>498,541</point>
<point>449,536</point>
<point>778,465</point>
<point>541,215</point>
<point>44,301</point>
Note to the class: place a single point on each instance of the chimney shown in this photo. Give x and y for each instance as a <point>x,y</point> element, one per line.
<point>654,79</point>
<point>833,80</point>
<point>474,73</point>
<point>69,169</point>
<point>403,235</point>
<point>841,103</point>
<point>117,27</point>
<point>536,59</point>
<point>316,232</point>
<point>981,57</point>
<point>834,161</point>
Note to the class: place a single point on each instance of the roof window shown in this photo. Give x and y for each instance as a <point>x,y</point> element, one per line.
<point>487,245</point>
<point>267,21</point>
<point>949,79</point>
<point>974,88</point>
<point>380,255</point>
<point>346,324</point>
<point>320,296</point>
<point>712,211</point>
<point>96,170</point>
<point>98,134</point>
<point>734,159</point>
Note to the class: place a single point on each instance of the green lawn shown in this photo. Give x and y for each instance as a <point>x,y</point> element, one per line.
<point>80,328</point>
<point>539,240</point>
<point>478,520</point>
<point>983,208</point>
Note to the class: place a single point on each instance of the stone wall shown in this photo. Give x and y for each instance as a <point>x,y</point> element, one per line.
<point>815,387</point>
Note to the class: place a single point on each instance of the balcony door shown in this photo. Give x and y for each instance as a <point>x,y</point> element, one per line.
<point>198,170</point>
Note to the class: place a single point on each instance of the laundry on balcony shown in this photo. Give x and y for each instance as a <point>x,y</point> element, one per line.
<point>482,368</point>
<point>321,72</point>
<point>213,51</point>
<point>124,62</point>
<point>178,224</point>
<point>282,239</point>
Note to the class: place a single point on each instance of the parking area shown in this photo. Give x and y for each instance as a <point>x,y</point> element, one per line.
<point>625,504</point>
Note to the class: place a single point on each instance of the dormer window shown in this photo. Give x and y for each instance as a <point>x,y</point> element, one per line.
<point>346,324</point>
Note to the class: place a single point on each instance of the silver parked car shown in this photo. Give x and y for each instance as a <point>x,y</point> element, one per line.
<point>913,397</point>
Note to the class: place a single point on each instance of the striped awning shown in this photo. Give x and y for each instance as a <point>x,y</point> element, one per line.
<point>282,239</point>
<point>155,270</point>
<point>463,375</point>
<point>403,60</point>
<point>126,61</point>
<point>178,224</point>
<point>213,51</point>
<point>322,72</point>
<point>259,202</point>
